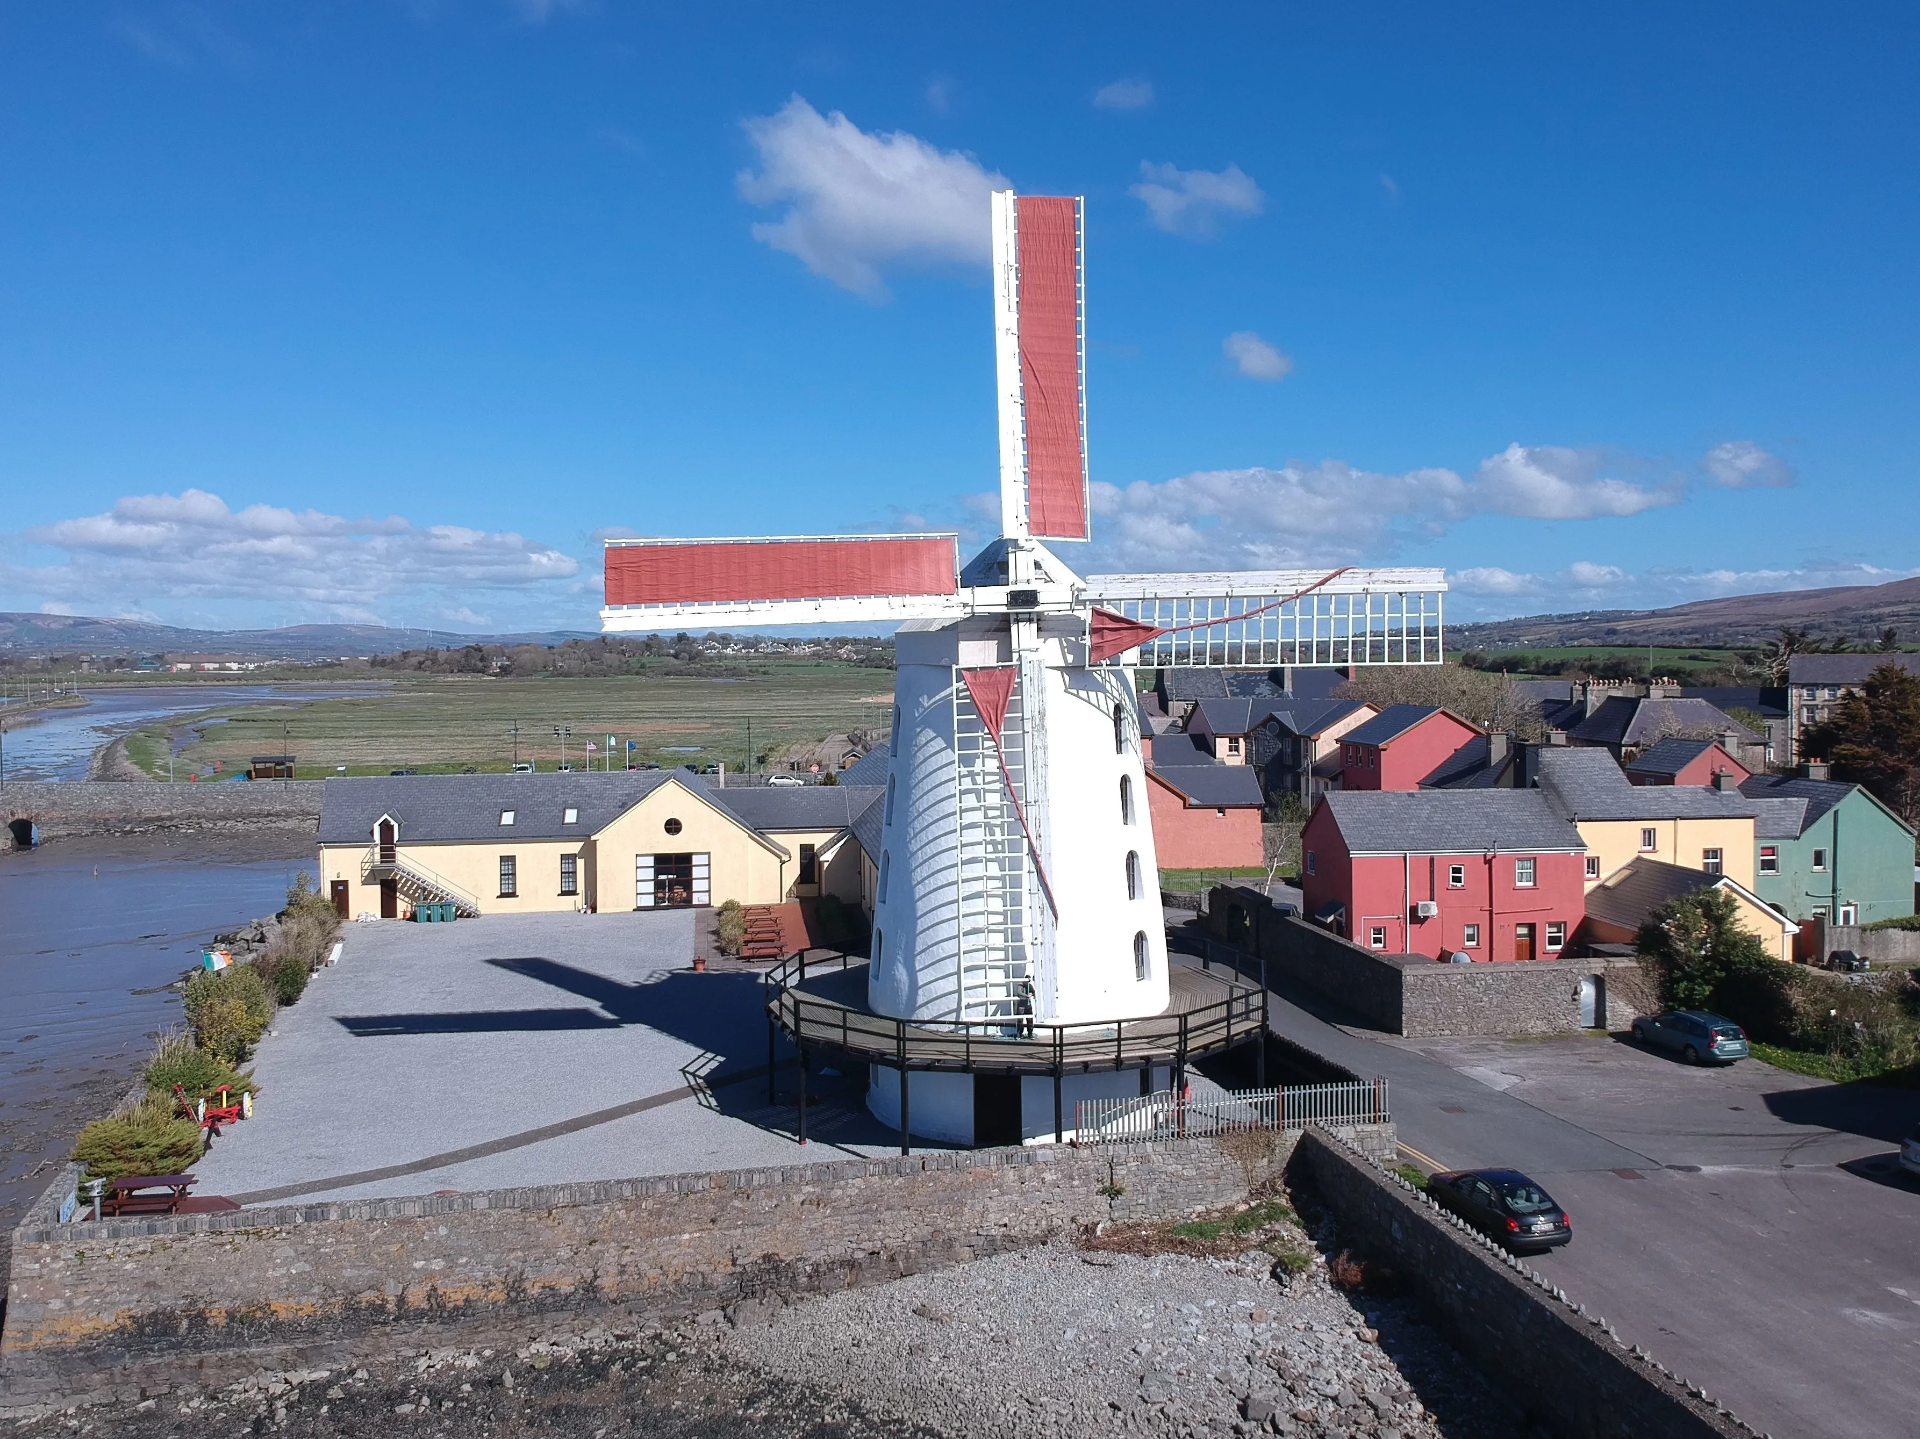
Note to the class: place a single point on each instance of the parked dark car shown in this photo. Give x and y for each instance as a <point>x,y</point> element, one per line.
<point>1698,1036</point>
<point>1845,961</point>
<point>1504,1204</point>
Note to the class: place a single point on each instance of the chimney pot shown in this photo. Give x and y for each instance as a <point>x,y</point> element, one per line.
<point>1816,769</point>
<point>1723,780</point>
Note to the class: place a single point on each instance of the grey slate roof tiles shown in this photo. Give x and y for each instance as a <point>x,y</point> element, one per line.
<point>1844,669</point>
<point>1669,756</point>
<point>1586,783</point>
<point>811,806</point>
<point>1233,786</point>
<point>1450,821</point>
<point>1389,724</point>
<point>432,808</point>
<point>1641,886</point>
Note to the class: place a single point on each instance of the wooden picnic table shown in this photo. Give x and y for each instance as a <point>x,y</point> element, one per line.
<point>128,1194</point>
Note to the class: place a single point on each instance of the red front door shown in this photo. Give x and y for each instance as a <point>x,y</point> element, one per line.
<point>1523,941</point>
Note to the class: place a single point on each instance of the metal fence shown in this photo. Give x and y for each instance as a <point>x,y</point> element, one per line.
<point>1166,1116</point>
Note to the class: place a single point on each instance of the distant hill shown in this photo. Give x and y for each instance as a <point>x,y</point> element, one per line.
<point>82,634</point>
<point>1848,611</point>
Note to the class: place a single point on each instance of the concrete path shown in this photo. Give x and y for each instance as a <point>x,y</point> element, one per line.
<point>518,1050</point>
<point>1746,1225</point>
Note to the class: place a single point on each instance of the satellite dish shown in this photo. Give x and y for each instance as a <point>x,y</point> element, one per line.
<point>1460,956</point>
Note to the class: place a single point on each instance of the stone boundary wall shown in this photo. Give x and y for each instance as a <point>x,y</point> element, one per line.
<point>1566,1368</point>
<point>112,807</point>
<point>1902,945</point>
<point>97,1308</point>
<point>1413,995</point>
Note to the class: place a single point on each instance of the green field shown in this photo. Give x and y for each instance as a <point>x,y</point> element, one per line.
<point>1666,661</point>
<point>445,723</point>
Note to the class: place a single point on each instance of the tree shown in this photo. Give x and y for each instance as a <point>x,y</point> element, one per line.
<point>1777,657</point>
<point>1491,701</point>
<point>1694,944</point>
<point>1873,738</point>
<point>1889,641</point>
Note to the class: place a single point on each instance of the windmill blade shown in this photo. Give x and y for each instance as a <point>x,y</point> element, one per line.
<point>785,580</point>
<point>1041,364</point>
<point>1281,617</point>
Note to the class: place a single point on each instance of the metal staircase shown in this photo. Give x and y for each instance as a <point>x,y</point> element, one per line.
<point>417,884</point>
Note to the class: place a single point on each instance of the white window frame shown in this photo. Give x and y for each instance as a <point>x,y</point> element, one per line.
<point>1593,866</point>
<point>1556,935</point>
<point>1526,873</point>
<point>1469,936</point>
<point>506,817</point>
<point>1769,859</point>
<point>1819,861</point>
<point>1376,936</point>
<point>1713,860</point>
<point>1849,914</point>
<point>1649,840</point>
<point>1456,876</point>
<point>569,815</point>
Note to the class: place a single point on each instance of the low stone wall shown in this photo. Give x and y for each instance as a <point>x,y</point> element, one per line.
<point>1413,995</point>
<point>1566,1368</point>
<point>1889,946</point>
<point>103,807</point>
<point>109,1306</point>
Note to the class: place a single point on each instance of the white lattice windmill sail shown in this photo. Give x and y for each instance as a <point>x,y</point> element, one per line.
<point>1017,881</point>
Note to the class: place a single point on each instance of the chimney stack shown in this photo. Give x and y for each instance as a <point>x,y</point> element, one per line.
<point>1499,742</point>
<point>1724,781</point>
<point>1816,769</point>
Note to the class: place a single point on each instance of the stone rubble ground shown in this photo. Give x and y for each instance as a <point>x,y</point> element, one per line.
<point>1056,1342</point>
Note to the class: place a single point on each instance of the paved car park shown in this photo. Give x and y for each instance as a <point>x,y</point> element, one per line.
<point>517,1050</point>
<point>1750,1227</point>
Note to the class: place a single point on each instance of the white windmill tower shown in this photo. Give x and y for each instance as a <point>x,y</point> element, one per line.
<point>1018,895</point>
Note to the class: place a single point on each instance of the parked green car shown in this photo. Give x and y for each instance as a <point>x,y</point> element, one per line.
<point>1698,1036</point>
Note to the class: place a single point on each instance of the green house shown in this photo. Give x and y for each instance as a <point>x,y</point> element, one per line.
<point>1829,850</point>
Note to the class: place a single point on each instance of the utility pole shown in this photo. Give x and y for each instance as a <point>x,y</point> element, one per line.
<point>560,732</point>
<point>749,745</point>
<point>515,732</point>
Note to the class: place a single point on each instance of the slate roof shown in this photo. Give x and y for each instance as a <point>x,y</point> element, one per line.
<point>1783,818</point>
<point>1818,795</point>
<point>1843,669</point>
<point>1765,701</point>
<point>1624,720</point>
<point>1641,886</point>
<point>1177,684</point>
<point>1389,724</point>
<point>870,823</point>
<point>1450,821</point>
<point>1312,717</point>
<point>442,807</point>
<point>1670,756</point>
<point>870,768</point>
<point>1234,786</point>
<point>1238,716</point>
<point>1167,750</point>
<point>1588,784</point>
<point>810,806</point>
<point>1314,682</point>
<point>1467,768</point>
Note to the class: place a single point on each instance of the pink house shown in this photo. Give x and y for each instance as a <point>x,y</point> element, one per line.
<point>1401,746</point>
<point>1205,816</point>
<point>1494,874</point>
<point>1685,761</point>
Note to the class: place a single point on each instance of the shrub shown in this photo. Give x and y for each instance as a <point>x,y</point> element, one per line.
<point>732,927</point>
<point>1694,944</point>
<point>179,1061</point>
<point>1899,921</point>
<point>229,1010</point>
<point>148,1139</point>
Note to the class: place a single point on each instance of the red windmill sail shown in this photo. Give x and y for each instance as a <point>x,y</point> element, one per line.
<point>992,691</point>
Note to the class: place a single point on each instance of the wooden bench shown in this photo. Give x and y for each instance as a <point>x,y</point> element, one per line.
<point>132,1194</point>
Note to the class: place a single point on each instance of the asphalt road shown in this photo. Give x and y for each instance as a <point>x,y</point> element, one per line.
<point>1746,1225</point>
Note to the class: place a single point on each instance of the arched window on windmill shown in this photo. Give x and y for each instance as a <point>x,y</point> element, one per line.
<point>1140,954</point>
<point>1126,799</point>
<point>1119,729</point>
<point>1133,874</point>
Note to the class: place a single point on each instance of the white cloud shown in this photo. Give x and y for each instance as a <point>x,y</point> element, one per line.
<point>538,12</point>
<point>1743,465</point>
<point>1492,580</point>
<point>1392,187</point>
<point>192,546</point>
<point>1331,512</point>
<point>1191,202</point>
<point>858,202</point>
<point>940,93</point>
<point>1257,360</point>
<point>1550,482</point>
<point>1124,95</point>
<point>184,38</point>
<point>1588,575</point>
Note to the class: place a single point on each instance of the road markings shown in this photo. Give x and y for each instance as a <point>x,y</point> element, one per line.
<point>1426,1159</point>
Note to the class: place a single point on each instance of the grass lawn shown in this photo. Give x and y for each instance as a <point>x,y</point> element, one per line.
<point>440,724</point>
<point>1674,661</point>
<point>1194,881</point>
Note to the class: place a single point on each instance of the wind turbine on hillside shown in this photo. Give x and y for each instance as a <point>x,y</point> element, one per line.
<point>1017,879</point>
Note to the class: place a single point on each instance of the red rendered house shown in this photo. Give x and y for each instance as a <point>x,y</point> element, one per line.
<point>1401,746</point>
<point>1205,816</point>
<point>1494,874</point>
<point>1685,761</point>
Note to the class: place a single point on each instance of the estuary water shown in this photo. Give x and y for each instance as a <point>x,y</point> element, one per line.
<point>58,744</point>
<point>91,932</point>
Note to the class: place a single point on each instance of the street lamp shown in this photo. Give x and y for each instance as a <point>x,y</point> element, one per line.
<point>561,733</point>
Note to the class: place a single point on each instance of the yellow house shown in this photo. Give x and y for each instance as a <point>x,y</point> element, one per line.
<point>518,844</point>
<point>1620,904</point>
<point>1707,828</point>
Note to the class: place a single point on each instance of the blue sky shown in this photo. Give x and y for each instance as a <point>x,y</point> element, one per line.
<point>387,310</point>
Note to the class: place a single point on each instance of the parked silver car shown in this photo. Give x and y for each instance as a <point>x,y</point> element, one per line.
<point>1698,1036</point>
